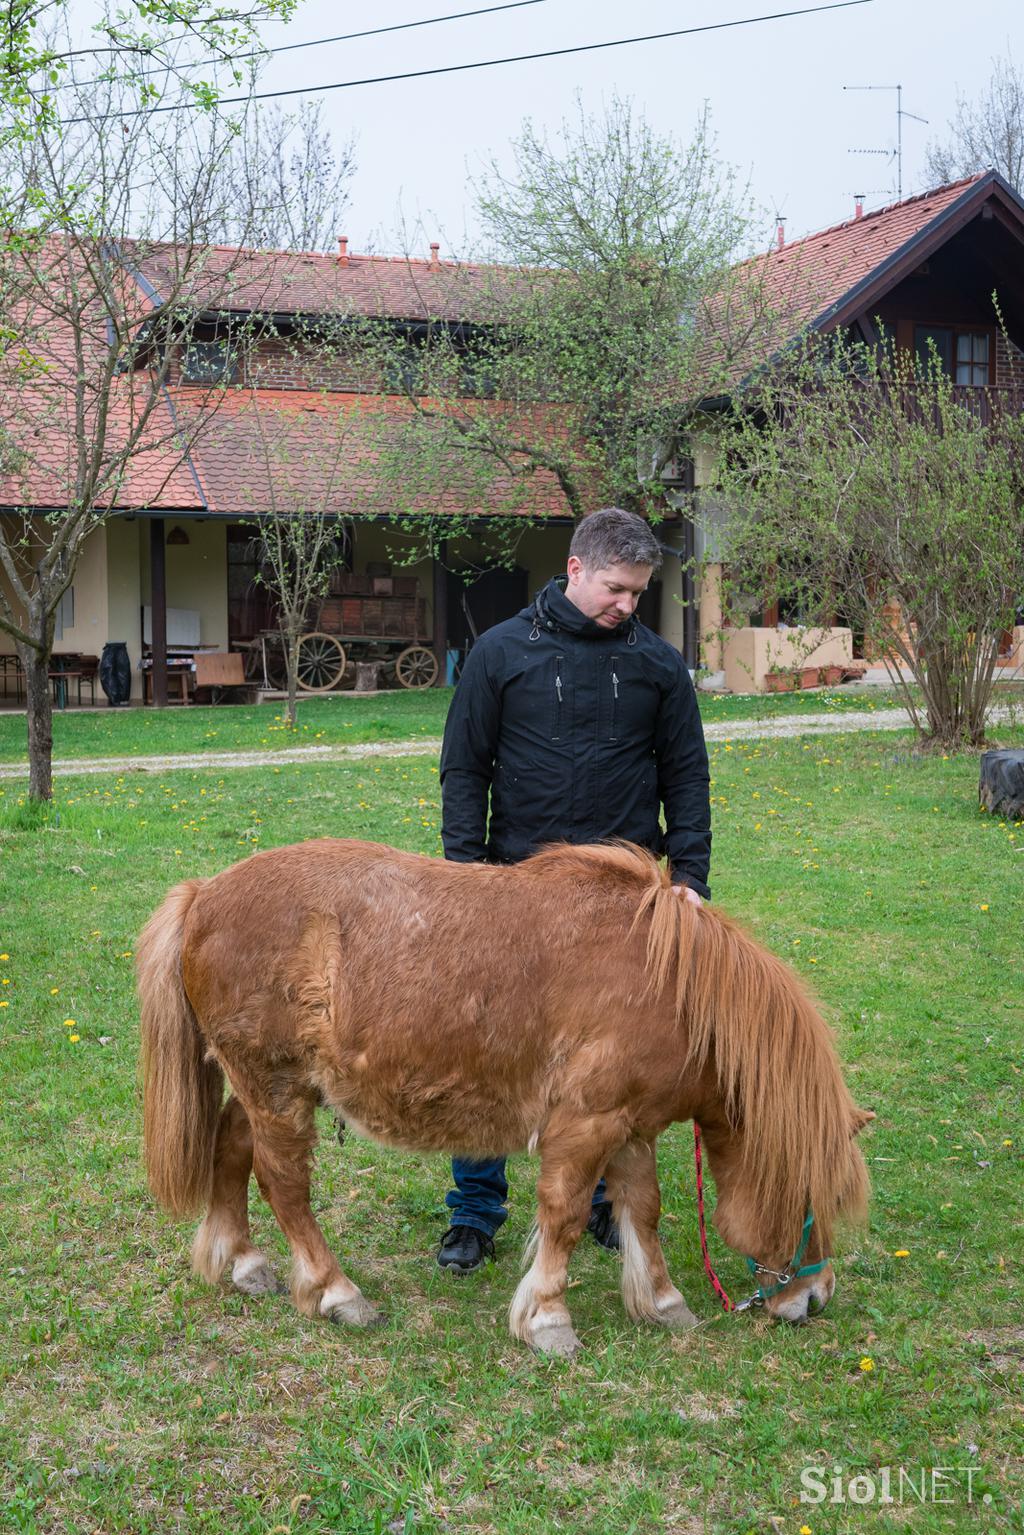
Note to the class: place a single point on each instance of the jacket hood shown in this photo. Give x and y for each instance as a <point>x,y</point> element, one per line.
<point>551,609</point>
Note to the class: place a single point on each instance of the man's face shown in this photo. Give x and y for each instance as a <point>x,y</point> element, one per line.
<point>608,595</point>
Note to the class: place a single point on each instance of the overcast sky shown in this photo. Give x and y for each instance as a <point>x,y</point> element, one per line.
<point>775,90</point>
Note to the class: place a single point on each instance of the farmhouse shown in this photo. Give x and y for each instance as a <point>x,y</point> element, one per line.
<point>296,424</point>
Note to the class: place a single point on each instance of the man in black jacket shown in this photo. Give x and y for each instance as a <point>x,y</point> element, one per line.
<point>572,722</point>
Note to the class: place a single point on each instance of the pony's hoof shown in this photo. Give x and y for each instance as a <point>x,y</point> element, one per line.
<point>677,1317</point>
<point>555,1342</point>
<point>357,1312</point>
<point>254,1276</point>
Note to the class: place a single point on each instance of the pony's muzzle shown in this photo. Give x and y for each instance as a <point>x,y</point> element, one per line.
<point>802,1298</point>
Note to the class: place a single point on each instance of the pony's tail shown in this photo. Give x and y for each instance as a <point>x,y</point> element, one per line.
<point>182,1088</point>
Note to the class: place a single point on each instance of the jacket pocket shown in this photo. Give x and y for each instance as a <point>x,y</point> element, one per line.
<point>559,712</point>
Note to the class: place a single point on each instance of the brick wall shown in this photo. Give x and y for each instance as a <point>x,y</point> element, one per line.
<point>283,365</point>
<point>1009,361</point>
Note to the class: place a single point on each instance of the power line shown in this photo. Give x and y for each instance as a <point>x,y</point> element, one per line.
<point>319,42</point>
<point>450,69</point>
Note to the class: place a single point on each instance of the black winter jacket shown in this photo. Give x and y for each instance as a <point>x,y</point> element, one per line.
<point>577,733</point>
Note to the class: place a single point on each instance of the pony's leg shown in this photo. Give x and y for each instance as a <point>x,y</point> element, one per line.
<point>573,1154</point>
<point>647,1291</point>
<point>282,1148</point>
<point>224,1235</point>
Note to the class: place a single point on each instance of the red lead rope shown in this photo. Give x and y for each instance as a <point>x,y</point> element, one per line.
<point>716,1283</point>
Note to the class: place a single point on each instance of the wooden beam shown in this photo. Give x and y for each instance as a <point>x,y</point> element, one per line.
<point>865,328</point>
<point>158,610</point>
<point>691,615</point>
<point>440,573</point>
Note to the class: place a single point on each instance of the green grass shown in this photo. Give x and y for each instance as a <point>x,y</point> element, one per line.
<point>137,1399</point>
<point>340,719</point>
<point>337,719</point>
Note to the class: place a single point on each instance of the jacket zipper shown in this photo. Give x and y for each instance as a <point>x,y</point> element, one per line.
<point>612,732</point>
<point>557,717</point>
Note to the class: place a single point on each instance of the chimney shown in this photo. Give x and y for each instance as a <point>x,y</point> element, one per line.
<point>343,250</point>
<point>780,233</point>
<point>858,205</point>
<point>435,264</point>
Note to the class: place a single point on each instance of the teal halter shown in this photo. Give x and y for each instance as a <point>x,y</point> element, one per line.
<point>795,1269</point>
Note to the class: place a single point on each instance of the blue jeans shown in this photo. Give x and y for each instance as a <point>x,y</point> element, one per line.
<point>481,1189</point>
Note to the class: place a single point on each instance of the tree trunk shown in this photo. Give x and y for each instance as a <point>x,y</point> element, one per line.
<point>291,652</point>
<point>1001,784</point>
<point>40,721</point>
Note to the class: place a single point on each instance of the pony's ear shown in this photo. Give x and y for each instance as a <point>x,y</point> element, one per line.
<point>859,1118</point>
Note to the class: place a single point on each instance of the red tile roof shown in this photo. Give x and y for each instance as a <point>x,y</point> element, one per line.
<point>292,282</point>
<point>289,448</point>
<point>769,299</point>
<point>765,303</point>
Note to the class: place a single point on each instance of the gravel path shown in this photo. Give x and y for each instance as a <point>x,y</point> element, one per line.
<point>733,730</point>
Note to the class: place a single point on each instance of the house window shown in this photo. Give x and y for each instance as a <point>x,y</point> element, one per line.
<point>403,374</point>
<point>972,353</point>
<point>209,362</point>
<point>964,355</point>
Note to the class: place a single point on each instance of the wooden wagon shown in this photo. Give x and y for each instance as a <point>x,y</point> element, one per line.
<point>373,619</point>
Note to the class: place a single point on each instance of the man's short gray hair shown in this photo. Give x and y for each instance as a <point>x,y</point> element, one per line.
<point>615,537</point>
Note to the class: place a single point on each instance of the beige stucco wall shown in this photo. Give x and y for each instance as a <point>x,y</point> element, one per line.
<point>196,575</point>
<point>88,633</point>
<point>749,654</point>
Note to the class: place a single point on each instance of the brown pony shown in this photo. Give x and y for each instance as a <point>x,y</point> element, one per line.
<point>571,1004</point>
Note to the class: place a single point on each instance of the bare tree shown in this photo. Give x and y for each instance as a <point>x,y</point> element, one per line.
<point>88,349</point>
<point>855,480</point>
<point>151,44</point>
<point>292,460</point>
<point>285,184</point>
<point>986,133</point>
<point>564,370</point>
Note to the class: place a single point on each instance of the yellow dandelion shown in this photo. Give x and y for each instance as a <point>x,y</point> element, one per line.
<point>902,1252</point>
<point>1007,1143</point>
<point>54,990</point>
<point>983,906</point>
<point>805,1529</point>
<point>867,1365</point>
<point>5,956</point>
<point>69,1023</point>
<point>74,1038</point>
<point>5,1004</point>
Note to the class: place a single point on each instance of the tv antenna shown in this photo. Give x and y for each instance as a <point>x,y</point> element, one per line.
<point>900,115</point>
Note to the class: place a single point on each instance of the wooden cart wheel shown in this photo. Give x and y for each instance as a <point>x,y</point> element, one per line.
<point>416,667</point>
<point>321,663</point>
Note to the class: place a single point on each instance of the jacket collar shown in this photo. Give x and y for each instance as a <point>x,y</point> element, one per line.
<point>552,610</point>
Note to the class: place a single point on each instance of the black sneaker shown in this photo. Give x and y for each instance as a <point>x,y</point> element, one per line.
<point>464,1248</point>
<point>602,1227</point>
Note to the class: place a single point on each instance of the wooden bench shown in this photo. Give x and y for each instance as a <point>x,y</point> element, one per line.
<point>222,671</point>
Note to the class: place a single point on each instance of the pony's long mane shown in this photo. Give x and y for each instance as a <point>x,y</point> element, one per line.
<point>773,1055</point>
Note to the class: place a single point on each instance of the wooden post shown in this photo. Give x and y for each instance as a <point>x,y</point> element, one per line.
<point>691,615</point>
<point>440,646</point>
<point>158,609</point>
